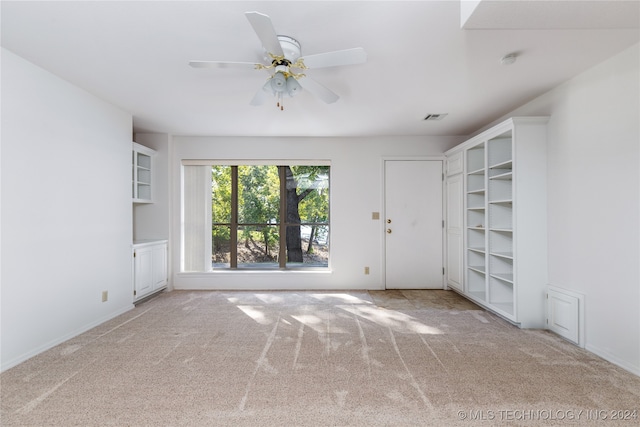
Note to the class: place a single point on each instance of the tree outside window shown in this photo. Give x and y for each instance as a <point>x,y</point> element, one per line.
<point>269,216</point>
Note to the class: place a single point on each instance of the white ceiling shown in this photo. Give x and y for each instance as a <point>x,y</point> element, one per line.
<point>420,60</point>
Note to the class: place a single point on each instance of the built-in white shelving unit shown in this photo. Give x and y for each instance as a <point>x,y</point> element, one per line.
<point>504,250</point>
<point>142,173</point>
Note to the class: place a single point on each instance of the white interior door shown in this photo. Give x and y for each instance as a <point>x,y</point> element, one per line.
<point>413,219</point>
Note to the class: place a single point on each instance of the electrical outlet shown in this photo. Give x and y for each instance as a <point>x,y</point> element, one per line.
<point>105,296</point>
<point>366,270</point>
<point>375,215</point>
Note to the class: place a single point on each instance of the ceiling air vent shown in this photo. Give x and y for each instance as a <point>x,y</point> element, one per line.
<point>434,117</point>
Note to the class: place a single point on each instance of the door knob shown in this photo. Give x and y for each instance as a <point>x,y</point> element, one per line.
<point>388,231</point>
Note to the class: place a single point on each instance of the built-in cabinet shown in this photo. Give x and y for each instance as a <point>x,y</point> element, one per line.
<point>500,197</point>
<point>142,173</point>
<point>149,267</point>
<point>454,221</point>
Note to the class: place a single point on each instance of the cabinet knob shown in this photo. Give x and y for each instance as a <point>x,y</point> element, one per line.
<point>388,221</point>
<point>388,231</point>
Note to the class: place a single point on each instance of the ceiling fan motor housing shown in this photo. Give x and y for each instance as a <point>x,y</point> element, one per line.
<point>290,47</point>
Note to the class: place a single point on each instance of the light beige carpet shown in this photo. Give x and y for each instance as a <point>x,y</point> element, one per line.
<point>385,358</point>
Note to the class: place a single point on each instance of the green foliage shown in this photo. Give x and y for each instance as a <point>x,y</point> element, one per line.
<point>314,180</point>
<point>258,194</point>
<point>259,201</point>
<point>221,203</point>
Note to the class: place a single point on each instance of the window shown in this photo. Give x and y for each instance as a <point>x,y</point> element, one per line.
<point>255,216</point>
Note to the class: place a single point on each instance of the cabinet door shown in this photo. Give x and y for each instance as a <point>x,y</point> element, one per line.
<point>454,164</point>
<point>454,268</point>
<point>159,266</point>
<point>143,272</point>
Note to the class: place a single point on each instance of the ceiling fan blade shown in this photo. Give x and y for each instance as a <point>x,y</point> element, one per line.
<point>357,55</point>
<point>260,97</point>
<point>263,27</point>
<point>318,90</point>
<point>222,64</point>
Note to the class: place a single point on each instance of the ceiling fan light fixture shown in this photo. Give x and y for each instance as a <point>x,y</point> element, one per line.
<point>293,87</point>
<point>279,82</point>
<point>267,87</point>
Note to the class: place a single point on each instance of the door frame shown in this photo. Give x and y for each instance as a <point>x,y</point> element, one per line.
<point>383,224</point>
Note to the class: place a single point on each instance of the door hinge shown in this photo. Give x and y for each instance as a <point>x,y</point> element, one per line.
<point>443,223</point>
<point>134,254</point>
<point>443,271</point>
<point>134,293</point>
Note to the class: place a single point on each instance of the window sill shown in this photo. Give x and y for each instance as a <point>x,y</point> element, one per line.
<point>252,272</point>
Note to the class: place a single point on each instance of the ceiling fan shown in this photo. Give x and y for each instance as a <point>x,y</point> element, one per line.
<point>287,66</point>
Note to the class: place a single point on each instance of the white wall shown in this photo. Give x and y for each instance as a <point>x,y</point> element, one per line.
<point>356,192</point>
<point>594,200</point>
<point>66,210</point>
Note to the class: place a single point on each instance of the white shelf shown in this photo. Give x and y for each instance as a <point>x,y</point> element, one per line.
<point>507,277</point>
<point>507,255</point>
<point>475,183</point>
<point>478,268</point>
<point>500,216</point>
<point>507,164</point>
<point>499,150</point>
<point>476,283</point>
<point>500,189</point>
<point>503,175</point>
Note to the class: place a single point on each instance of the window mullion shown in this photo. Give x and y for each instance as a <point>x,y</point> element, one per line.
<point>282,255</point>
<point>233,232</point>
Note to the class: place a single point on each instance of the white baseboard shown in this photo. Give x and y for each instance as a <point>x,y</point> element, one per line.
<point>28,355</point>
<point>613,359</point>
